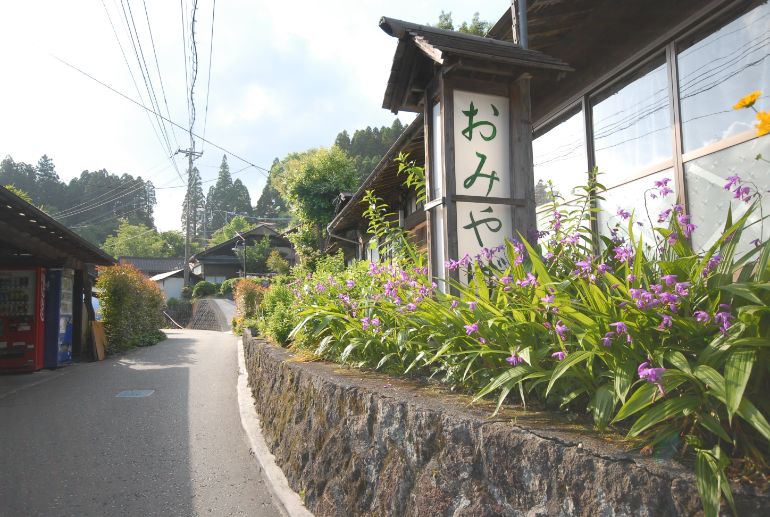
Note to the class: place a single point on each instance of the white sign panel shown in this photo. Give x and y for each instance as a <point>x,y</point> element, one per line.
<point>482,168</point>
<point>482,145</point>
<point>482,226</point>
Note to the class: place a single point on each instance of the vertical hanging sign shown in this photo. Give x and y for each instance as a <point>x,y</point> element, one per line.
<point>482,170</point>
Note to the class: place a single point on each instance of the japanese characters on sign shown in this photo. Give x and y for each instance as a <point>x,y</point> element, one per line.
<point>482,168</point>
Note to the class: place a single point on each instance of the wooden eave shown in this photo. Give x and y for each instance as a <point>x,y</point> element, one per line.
<point>422,49</point>
<point>384,179</point>
<point>29,236</point>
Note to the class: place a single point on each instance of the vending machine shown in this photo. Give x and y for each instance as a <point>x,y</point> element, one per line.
<point>58,317</point>
<point>21,320</point>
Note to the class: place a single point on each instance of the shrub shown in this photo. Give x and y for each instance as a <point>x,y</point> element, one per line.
<point>179,310</point>
<point>132,307</point>
<point>248,293</point>
<point>636,331</point>
<point>204,288</point>
<point>277,264</point>
<point>278,323</point>
<point>226,287</point>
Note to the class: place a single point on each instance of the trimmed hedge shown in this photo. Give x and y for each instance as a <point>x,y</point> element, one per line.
<point>132,308</point>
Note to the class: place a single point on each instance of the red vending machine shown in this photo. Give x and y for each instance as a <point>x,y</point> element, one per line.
<point>21,320</point>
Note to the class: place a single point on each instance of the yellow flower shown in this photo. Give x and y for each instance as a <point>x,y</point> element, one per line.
<point>748,101</point>
<point>763,123</point>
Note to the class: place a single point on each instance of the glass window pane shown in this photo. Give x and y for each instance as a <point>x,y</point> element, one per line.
<point>637,199</point>
<point>708,200</point>
<point>632,124</point>
<point>560,157</point>
<point>718,70</point>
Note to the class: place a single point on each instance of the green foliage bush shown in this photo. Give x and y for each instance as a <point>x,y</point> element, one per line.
<point>226,287</point>
<point>277,264</point>
<point>204,288</point>
<point>646,336</point>
<point>131,306</point>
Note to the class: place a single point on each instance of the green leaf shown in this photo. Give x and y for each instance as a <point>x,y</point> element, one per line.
<point>679,360</point>
<point>707,480</point>
<point>664,410</point>
<point>602,405</point>
<point>713,425</point>
<point>751,414</point>
<point>742,291</point>
<point>514,374</point>
<point>570,361</point>
<point>641,398</point>
<point>624,378</point>
<point>737,373</point>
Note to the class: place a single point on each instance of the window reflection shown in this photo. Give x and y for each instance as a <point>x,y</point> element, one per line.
<point>641,199</point>
<point>632,124</point>
<point>559,156</point>
<point>718,70</point>
<point>708,200</point>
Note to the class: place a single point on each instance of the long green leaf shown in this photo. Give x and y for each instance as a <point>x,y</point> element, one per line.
<point>664,410</point>
<point>602,405</point>
<point>707,480</point>
<point>641,398</point>
<point>737,373</point>
<point>571,360</point>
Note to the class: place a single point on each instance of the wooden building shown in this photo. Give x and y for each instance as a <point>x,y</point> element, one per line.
<point>33,245</point>
<point>220,262</point>
<point>648,95</point>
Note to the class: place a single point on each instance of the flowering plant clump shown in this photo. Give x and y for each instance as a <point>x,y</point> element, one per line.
<point>638,331</point>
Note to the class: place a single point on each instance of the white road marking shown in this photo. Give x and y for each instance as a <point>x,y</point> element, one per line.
<point>288,500</point>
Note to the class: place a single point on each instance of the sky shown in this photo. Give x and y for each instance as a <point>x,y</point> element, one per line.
<point>285,76</point>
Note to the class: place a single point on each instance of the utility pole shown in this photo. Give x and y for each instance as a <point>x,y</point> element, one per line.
<point>191,154</point>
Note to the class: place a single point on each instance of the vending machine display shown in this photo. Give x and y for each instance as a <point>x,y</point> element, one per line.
<point>58,317</point>
<point>21,320</point>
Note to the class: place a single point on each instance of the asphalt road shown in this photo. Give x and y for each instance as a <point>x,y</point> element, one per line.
<point>70,446</point>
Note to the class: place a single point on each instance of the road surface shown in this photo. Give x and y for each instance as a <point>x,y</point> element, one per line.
<point>171,445</point>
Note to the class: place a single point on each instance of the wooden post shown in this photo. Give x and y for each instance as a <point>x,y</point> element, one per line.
<point>522,169</point>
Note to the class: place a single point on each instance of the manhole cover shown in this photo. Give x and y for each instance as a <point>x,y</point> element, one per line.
<point>135,394</point>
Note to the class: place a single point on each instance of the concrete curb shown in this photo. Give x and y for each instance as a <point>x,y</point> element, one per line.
<point>287,501</point>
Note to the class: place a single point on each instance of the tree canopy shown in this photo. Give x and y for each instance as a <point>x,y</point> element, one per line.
<point>139,240</point>
<point>476,26</point>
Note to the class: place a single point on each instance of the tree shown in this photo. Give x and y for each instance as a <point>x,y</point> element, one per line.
<point>19,193</point>
<point>220,197</point>
<point>310,182</point>
<point>445,21</point>
<point>194,204</point>
<point>270,204</point>
<point>256,255</point>
<point>277,264</point>
<point>139,240</point>
<point>476,26</point>
<point>237,224</point>
<point>241,200</point>
<point>135,240</point>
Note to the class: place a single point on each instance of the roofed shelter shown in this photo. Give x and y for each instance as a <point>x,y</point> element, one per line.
<point>31,240</point>
<point>219,262</point>
<point>474,95</point>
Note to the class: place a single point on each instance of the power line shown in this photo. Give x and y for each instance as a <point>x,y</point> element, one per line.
<point>184,50</point>
<point>157,67</point>
<point>208,81</point>
<point>262,170</point>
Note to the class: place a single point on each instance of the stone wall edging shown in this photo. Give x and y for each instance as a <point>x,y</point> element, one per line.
<point>359,443</point>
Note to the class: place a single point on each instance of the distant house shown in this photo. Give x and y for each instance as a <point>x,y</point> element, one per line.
<point>218,263</point>
<point>172,282</point>
<point>151,266</point>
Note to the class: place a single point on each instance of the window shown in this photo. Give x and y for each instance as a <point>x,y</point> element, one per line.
<point>635,198</point>
<point>708,201</point>
<point>632,125</point>
<point>437,249</point>
<point>560,157</point>
<point>716,71</point>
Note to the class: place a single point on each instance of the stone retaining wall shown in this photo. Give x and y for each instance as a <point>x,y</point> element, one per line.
<point>366,444</point>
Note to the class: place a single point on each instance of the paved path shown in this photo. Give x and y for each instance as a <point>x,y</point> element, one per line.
<point>212,314</point>
<point>69,446</point>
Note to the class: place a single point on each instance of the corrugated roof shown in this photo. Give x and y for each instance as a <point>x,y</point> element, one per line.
<point>27,231</point>
<point>153,265</point>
